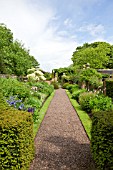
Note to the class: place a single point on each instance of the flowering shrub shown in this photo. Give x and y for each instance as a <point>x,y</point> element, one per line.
<point>22,96</point>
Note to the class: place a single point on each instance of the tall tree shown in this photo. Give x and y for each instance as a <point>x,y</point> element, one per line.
<point>14,57</point>
<point>98,54</point>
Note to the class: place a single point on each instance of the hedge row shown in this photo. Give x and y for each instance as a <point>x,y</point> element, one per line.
<point>17,144</point>
<point>102,139</point>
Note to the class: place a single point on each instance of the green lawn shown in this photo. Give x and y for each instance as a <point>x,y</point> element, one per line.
<point>84,117</point>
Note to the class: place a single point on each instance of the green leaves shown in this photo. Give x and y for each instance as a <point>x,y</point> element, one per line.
<point>98,54</point>
<point>14,57</point>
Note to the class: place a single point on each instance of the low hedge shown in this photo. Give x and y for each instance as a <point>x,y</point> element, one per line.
<point>17,144</point>
<point>102,139</point>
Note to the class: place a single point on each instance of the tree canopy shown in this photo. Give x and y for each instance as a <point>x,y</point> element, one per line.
<point>14,57</point>
<point>98,54</point>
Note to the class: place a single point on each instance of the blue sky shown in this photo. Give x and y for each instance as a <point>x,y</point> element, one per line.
<point>52,29</point>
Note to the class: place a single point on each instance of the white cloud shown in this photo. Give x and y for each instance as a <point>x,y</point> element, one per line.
<point>93,29</point>
<point>68,22</point>
<point>31,24</point>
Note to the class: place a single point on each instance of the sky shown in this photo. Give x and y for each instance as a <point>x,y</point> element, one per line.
<point>52,29</point>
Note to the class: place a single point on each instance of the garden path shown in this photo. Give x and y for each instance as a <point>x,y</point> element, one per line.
<point>61,142</point>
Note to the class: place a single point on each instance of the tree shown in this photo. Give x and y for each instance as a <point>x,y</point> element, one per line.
<point>98,54</point>
<point>14,57</point>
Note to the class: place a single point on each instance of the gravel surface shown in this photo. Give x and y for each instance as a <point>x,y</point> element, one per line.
<point>61,142</point>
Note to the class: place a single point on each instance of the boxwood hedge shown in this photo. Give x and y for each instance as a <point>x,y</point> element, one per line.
<point>102,139</point>
<point>17,144</point>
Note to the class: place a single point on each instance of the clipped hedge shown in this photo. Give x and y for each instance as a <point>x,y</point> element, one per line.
<point>17,144</point>
<point>102,139</point>
<point>109,88</point>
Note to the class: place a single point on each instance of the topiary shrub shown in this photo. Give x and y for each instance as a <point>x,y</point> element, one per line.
<point>109,88</point>
<point>17,143</point>
<point>84,100</point>
<point>76,94</point>
<point>102,139</point>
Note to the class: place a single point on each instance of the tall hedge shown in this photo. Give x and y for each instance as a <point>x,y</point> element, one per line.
<point>102,139</point>
<point>109,88</point>
<point>17,146</point>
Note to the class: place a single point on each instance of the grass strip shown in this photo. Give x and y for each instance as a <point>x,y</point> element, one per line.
<point>83,116</point>
<point>42,113</point>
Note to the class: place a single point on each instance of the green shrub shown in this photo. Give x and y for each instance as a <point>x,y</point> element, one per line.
<point>12,87</point>
<point>101,102</point>
<point>102,139</point>
<point>55,84</point>
<point>3,103</point>
<point>109,88</point>
<point>44,87</point>
<point>17,143</point>
<point>72,87</point>
<point>84,100</point>
<point>76,94</point>
<point>65,85</point>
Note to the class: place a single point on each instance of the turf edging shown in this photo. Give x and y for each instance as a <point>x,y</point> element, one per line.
<point>83,116</point>
<point>42,113</point>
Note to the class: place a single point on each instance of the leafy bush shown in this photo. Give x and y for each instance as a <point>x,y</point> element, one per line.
<point>3,103</point>
<point>12,87</point>
<point>65,85</point>
<point>76,94</point>
<point>17,143</point>
<point>101,102</point>
<point>102,139</point>
<point>44,87</point>
<point>109,88</point>
<point>55,84</point>
<point>84,100</point>
<point>72,87</point>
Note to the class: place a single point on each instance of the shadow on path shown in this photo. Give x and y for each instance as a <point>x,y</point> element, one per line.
<point>66,154</point>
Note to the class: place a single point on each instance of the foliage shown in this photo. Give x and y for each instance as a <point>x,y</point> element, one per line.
<point>12,87</point>
<point>84,100</point>
<point>72,87</point>
<point>76,93</point>
<point>23,96</point>
<point>55,84</point>
<point>14,57</point>
<point>90,76</point>
<point>48,76</point>
<point>100,102</point>
<point>17,145</point>
<point>98,54</point>
<point>102,139</point>
<point>65,85</point>
<point>44,87</point>
<point>109,88</point>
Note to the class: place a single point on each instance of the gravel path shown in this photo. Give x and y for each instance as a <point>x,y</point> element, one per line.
<point>61,142</point>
